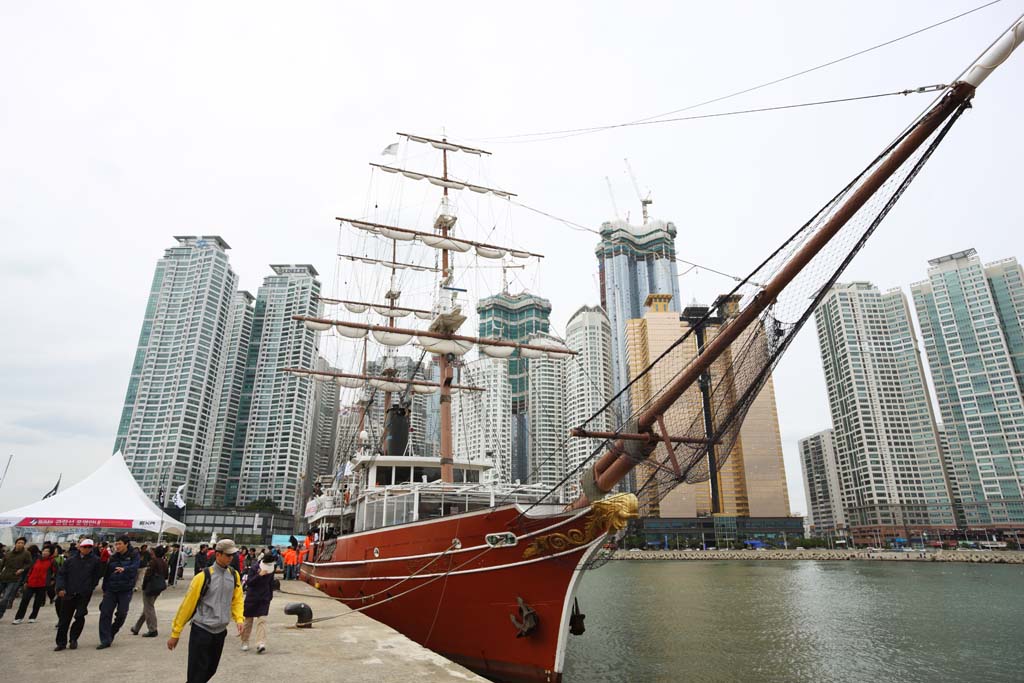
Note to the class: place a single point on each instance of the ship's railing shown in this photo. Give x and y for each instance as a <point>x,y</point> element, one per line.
<point>399,504</point>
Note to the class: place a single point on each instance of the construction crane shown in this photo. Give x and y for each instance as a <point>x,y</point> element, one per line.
<point>611,194</point>
<point>644,201</point>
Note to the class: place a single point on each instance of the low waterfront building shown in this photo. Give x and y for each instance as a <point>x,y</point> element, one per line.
<point>243,526</point>
<point>719,531</point>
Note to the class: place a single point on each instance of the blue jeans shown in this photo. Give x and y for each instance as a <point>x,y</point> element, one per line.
<point>110,625</point>
<point>8,589</point>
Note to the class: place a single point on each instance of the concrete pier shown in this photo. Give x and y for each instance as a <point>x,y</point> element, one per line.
<point>351,647</point>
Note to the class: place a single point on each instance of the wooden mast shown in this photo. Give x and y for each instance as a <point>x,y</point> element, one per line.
<point>447,457</point>
<point>624,454</point>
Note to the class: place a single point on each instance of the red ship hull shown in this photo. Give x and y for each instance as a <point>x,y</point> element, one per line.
<point>460,598</point>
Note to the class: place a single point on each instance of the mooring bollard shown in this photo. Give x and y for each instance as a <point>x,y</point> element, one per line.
<point>301,610</point>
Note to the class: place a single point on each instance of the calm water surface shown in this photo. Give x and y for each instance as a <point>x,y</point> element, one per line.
<point>800,621</point>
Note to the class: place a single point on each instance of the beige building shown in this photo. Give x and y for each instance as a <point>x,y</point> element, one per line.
<point>752,481</point>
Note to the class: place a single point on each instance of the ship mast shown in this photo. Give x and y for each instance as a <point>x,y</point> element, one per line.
<point>447,459</point>
<point>639,440</point>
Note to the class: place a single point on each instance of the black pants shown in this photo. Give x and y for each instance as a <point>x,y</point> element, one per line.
<point>109,624</point>
<point>76,606</point>
<point>204,650</point>
<point>28,594</point>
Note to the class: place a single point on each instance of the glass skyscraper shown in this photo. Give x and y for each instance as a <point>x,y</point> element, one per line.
<point>633,262</point>
<point>516,317</point>
<point>972,321</point>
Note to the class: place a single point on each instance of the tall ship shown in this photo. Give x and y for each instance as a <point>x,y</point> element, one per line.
<point>447,548</point>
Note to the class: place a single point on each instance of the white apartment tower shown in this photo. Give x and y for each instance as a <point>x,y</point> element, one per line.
<point>890,467</point>
<point>280,414</point>
<point>821,484</point>
<point>168,424</point>
<point>972,321</point>
<point>588,385</point>
<point>482,420</point>
<point>216,469</point>
<point>546,406</point>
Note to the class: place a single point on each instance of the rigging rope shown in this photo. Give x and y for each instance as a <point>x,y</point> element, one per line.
<point>744,91</point>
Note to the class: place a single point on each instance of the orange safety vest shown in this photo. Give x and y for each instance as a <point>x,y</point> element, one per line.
<point>291,557</point>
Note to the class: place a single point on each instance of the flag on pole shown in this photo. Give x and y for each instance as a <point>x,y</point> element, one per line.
<point>179,500</point>
<point>53,491</point>
<point>391,149</point>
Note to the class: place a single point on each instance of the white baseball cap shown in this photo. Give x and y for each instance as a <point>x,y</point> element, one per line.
<point>85,541</point>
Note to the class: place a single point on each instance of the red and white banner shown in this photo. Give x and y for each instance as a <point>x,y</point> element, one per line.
<point>75,522</point>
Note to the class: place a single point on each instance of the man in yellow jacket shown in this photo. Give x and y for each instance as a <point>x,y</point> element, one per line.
<point>214,599</point>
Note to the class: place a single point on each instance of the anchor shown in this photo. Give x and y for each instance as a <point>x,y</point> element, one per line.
<point>528,619</point>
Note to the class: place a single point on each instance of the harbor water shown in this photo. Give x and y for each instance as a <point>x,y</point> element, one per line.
<point>799,621</point>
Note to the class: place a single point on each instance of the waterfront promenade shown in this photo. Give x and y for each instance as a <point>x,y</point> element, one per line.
<point>352,647</point>
<point>983,557</point>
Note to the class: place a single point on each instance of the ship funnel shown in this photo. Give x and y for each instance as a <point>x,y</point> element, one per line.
<point>397,436</point>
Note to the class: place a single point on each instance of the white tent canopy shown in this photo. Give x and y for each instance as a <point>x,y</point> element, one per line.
<point>109,498</point>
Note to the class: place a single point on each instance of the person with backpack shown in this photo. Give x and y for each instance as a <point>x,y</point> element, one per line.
<point>118,584</point>
<point>214,599</point>
<point>153,584</point>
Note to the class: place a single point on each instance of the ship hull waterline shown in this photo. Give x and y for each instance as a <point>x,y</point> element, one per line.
<point>461,598</point>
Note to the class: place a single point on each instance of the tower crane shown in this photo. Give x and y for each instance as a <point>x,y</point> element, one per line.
<point>644,201</point>
<point>611,194</point>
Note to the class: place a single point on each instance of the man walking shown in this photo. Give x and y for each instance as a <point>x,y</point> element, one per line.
<point>214,599</point>
<point>76,581</point>
<point>173,561</point>
<point>118,584</point>
<point>12,572</point>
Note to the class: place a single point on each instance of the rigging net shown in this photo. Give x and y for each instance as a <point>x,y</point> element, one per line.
<point>736,377</point>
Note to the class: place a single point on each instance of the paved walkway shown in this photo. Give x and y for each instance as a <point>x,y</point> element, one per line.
<point>353,648</point>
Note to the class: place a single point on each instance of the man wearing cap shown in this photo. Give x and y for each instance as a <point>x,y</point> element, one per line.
<point>76,581</point>
<point>214,599</point>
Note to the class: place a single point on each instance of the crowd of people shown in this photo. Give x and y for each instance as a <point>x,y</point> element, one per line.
<point>230,584</point>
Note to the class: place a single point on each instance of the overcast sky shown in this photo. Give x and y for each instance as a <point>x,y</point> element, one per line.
<point>122,125</point>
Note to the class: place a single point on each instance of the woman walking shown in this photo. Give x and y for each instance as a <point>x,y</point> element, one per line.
<point>257,603</point>
<point>153,584</point>
<point>40,576</point>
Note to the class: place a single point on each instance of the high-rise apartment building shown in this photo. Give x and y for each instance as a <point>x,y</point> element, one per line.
<point>216,469</point>
<point>323,443</point>
<point>588,386</point>
<point>634,261</point>
<point>891,470</point>
<point>972,322</point>
<point>168,425</point>
<point>751,481</point>
<point>516,317</point>
<point>279,406</point>
<point>821,485</point>
<point>481,421</point>
<point>546,405</point>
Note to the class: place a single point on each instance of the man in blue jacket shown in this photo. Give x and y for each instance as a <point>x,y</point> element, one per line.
<point>118,586</point>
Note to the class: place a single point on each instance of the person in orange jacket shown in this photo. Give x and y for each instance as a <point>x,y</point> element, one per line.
<point>291,564</point>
